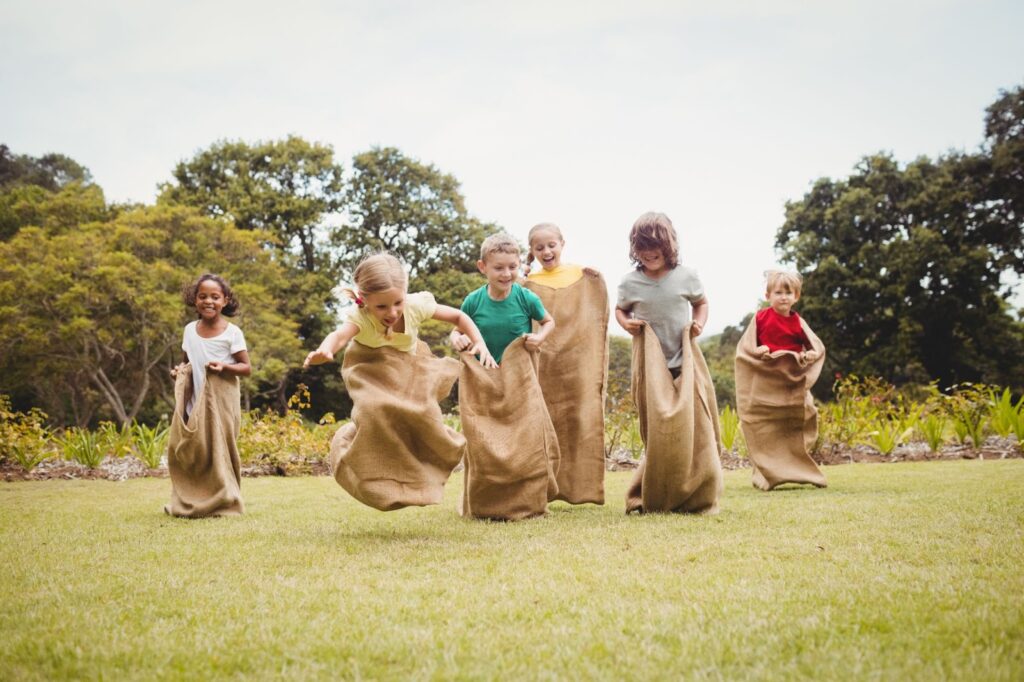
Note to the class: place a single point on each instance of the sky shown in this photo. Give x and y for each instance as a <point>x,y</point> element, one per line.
<point>585,114</point>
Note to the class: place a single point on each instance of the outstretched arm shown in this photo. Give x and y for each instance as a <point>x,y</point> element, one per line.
<point>334,342</point>
<point>466,335</point>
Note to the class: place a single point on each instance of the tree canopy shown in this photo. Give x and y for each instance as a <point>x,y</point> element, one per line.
<point>909,270</point>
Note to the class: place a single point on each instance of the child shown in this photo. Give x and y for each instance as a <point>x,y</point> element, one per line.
<point>396,451</point>
<point>671,384</point>
<point>202,451</point>
<point>660,291</point>
<point>573,363</point>
<point>779,327</point>
<point>502,309</point>
<point>512,449</point>
<point>780,356</point>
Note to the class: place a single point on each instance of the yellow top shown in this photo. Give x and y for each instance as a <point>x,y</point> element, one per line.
<point>558,277</point>
<point>418,307</point>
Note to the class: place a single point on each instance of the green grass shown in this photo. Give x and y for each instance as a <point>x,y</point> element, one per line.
<point>895,571</point>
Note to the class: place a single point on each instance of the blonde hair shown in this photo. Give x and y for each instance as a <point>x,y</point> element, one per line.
<point>654,231</point>
<point>790,279</point>
<point>376,273</point>
<point>501,242</point>
<point>540,227</point>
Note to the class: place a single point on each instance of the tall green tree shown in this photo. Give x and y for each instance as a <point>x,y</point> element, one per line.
<point>287,188</point>
<point>908,271</point>
<point>412,209</point>
<point>50,171</point>
<point>91,319</point>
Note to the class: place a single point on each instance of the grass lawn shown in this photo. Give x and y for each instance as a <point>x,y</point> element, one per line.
<point>895,571</point>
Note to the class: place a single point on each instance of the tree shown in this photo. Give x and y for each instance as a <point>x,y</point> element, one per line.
<point>56,211</point>
<point>906,269</point>
<point>91,319</point>
<point>411,209</point>
<point>50,171</point>
<point>286,188</point>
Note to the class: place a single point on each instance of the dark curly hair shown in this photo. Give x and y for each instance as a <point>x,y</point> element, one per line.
<point>190,292</point>
<point>654,231</point>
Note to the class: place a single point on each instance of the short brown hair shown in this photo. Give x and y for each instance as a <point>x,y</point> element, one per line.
<point>790,279</point>
<point>654,231</point>
<point>501,242</point>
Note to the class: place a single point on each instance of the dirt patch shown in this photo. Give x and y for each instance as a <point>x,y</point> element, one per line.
<point>123,468</point>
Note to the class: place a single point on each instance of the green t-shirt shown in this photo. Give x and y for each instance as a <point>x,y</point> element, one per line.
<point>502,322</point>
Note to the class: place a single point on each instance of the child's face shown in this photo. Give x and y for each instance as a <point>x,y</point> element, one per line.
<point>386,306</point>
<point>547,248</point>
<point>210,300</point>
<point>782,299</point>
<point>652,260</point>
<point>501,270</point>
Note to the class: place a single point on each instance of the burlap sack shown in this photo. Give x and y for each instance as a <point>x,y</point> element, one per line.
<point>397,451</point>
<point>573,372</point>
<point>202,454</point>
<point>777,413</point>
<point>681,470</point>
<point>512,451</point>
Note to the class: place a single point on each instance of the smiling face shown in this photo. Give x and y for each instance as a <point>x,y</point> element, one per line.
<point>546,247</point>
<point>386,306</point>
<point>501,270</point>
<point>652,260</point>
<point>781,298</point>
<point>210,300</point>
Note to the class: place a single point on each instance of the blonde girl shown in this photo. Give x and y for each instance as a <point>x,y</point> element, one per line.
<point>385,314</point>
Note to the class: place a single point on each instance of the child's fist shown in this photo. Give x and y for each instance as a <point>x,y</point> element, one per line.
<point>633,326</point>
<point>533,342</point>
<point>811,355</point>
<point>696,328</point>
<point>460,342</point>
<point>762,352</point>
<point>215,367</point>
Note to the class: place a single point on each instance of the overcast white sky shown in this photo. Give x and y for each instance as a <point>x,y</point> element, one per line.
<point>581,113</point>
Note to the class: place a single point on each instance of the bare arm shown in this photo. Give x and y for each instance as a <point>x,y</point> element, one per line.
<point>628,322</point>
<point>466,335</point>
<point>547,325</point>
<point>700,317</point>
<point>334,342</point>
<point>239,368</point>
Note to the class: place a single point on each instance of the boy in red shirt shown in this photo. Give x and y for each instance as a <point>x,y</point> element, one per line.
<point>778,326</point>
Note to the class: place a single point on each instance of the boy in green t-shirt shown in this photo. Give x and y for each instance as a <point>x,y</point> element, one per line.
<point>502,309</point>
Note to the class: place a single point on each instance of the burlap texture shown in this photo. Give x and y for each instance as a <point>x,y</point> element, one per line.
<point>396,451</point>
<point>681,470</point>
<point>573,372</point>
<point>202,454</point>
<point>777,414</point>
<point>512,450</point>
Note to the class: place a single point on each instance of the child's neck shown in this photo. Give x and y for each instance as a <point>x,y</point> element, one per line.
<point>212,327</point>
<point>656,274</point>
<point>496,295</point>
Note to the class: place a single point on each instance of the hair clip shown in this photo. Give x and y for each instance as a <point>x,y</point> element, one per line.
<point>359,301</point>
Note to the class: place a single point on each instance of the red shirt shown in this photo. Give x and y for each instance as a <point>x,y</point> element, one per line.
<point>780,333</point>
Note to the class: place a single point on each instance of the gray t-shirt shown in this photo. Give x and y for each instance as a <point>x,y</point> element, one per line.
<point>664,304</point>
